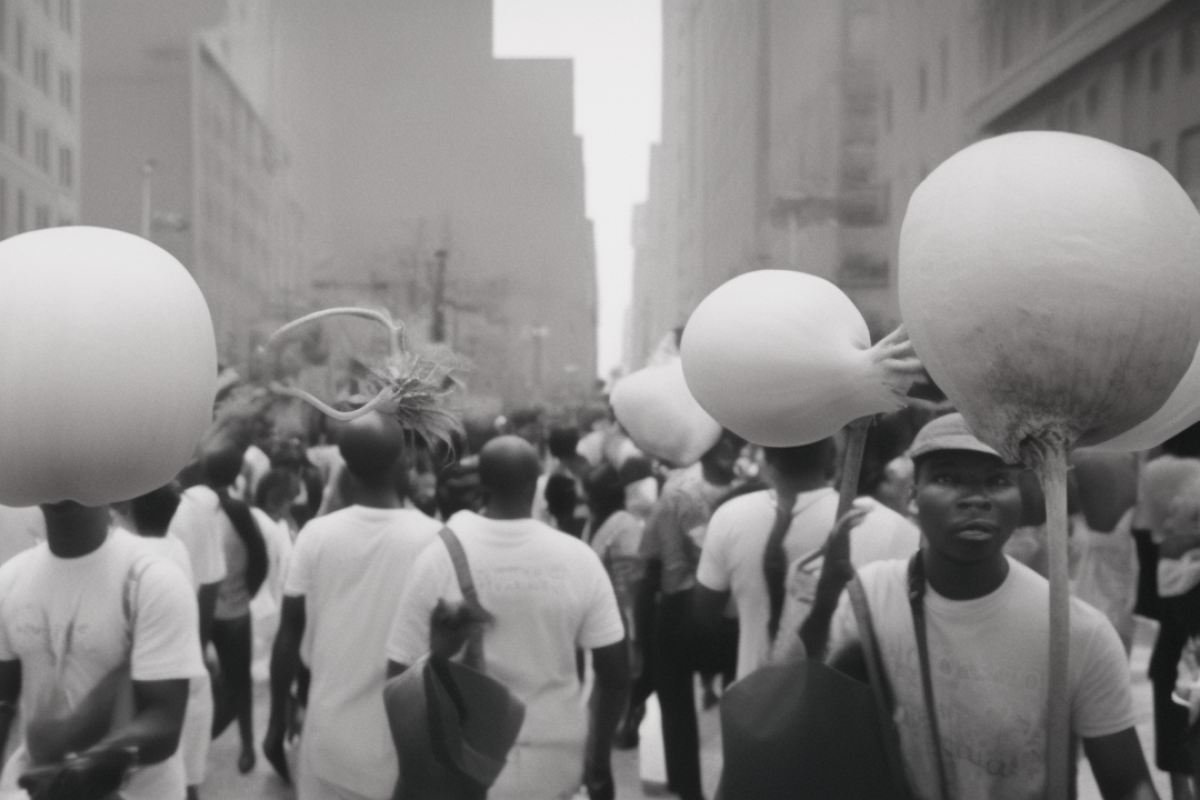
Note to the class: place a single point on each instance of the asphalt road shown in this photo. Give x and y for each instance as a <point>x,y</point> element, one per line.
<point>225,783</point>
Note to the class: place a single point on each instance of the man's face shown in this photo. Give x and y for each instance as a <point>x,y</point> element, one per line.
<point>967,503</point>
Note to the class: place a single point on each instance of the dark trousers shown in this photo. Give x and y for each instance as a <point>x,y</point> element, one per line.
<point>675,668</point>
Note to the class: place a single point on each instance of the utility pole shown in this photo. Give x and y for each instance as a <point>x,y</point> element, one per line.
<point>437,328</point>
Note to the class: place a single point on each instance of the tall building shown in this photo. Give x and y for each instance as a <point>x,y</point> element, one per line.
<point>1127,71</point>
<point>180,148</point>
<point>769,157</point>
<point>39,114</point>
<point>443,178</point>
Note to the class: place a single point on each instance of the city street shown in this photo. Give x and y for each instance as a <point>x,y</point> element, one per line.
<point>224,782</point>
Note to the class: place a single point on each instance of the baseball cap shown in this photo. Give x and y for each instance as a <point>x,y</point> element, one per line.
<point>949,432</point>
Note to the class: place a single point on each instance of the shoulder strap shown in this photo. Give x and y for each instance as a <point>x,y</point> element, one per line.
<point>916,600</point>
<point>466,584</point>
<point>880,690</point>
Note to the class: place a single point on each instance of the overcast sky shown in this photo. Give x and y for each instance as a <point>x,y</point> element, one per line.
<point>617,49</point>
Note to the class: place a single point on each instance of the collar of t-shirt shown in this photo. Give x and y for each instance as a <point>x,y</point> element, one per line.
<point>977,608</point>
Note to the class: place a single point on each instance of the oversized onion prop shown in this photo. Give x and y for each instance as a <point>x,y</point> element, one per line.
<point>108,369</point>
<point>660,415</point>
<point>784,358</point>
<point>409,386</point>
<point>1050,282</point>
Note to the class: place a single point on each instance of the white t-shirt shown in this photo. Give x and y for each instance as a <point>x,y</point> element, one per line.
<point>731,559</point>
<point>549,594</point>
<point>201,525</point>
<point>65,620</point>
<point>989,663</point>
<point>350,566</point>
<point>20,529</point>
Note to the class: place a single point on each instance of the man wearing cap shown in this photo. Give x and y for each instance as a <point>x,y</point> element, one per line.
<point>548,594</point>
<point>986,619</point>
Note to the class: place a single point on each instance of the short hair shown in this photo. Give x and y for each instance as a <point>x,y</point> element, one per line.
<point>276,483</point>
<point>563,442</point>
<point>152,512</point>
<point>223,464</point>
<point>370,450</point>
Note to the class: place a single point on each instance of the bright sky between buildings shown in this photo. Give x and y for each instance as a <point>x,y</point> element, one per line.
<point>617,49</point>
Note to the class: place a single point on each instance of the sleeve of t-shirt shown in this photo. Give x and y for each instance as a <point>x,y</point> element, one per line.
<point>843,629</point>
<point>299,577</point>
<point>8,574</point>
<point>602,624</point>
<point>714,570</point>
<point>430,579</point>
<point>1103,698</point>
<point>166,642</point>
<point>197,529</point>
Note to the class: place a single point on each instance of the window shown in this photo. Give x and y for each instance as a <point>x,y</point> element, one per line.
<point>66,89</point>
<point>21,132</point>
<point>41,217</point>
<point>66,166</point>
<point>1094,99</point>
<point>41,148</point>
<point>1130,69</point>
<point>1187,45</point>
<point>1189,163</point>
<point>41,69</point>
<point>922,87</point>
<point>19,44</point>
<point>945,76</point>
<point>1156,69</point>
<point>3,207</point>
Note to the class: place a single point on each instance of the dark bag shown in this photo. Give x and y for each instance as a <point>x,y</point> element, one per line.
<point>451,723</point>
<point>805,730</point>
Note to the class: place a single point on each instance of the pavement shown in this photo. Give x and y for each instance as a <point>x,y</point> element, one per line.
<point>225,783</point>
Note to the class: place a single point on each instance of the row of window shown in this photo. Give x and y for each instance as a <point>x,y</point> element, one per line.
<point>42,148</point>
<point>37,57</point>
<point>18,213</point>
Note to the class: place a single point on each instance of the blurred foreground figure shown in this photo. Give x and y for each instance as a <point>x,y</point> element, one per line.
<point>548,595</point>
<point>98,644</point>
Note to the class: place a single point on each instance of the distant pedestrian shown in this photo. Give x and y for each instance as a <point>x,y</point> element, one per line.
<point>549,595</point>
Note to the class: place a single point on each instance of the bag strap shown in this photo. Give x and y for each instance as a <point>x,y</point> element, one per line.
<point>880,690</point>
<point>466,584</point>
<point>916,600</point>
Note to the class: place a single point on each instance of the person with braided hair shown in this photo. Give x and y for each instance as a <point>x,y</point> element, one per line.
<point>763,548</point>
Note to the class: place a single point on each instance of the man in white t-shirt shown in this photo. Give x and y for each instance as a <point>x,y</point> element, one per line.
<point>987,624</point>
<point>793,519</point>
<point>549,595</point>
<point>98,643</point>
<point>343,583</point>
<point>202,526</point>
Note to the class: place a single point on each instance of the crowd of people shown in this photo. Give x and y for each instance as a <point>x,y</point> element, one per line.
<point>599,577</point>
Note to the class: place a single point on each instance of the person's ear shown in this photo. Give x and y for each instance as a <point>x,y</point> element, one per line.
<point>912,499</point>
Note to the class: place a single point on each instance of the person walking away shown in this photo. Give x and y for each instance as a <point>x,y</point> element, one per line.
<point>149,516</point>
<point>246,568</point>
<point>97,645</point>
<point>548,594</point>
<point>342,588</point>
<point>971,713</point>
<point>765,550</point>
<point>670,549</point>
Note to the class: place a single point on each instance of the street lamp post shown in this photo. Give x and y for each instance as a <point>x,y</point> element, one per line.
<point>437,327</point>
<point>147,172</point>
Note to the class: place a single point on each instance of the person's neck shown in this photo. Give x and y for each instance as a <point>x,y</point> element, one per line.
<point>498,509</point>
<point>799,484</point>
<point>382,497</point>
<point>956,580</point>
<point>73,530</point>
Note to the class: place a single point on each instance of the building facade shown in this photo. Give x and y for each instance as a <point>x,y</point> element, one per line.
<point>39,114</point>
<point>856,102</point>
<point>769,157</point>
<point>179,148</point>
<point>417,141</point>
